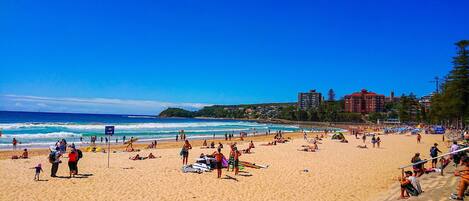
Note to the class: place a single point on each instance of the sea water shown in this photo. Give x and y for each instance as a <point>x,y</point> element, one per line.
<point>37,129</point>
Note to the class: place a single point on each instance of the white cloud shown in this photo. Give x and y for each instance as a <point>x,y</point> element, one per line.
<point>89,105</point>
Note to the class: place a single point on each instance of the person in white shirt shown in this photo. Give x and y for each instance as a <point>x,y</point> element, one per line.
<point>414,181</point>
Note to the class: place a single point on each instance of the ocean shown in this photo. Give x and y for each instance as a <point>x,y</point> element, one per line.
<point>38,129</point>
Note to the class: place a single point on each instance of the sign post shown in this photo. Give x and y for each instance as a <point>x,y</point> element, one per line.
<point>109,131</point>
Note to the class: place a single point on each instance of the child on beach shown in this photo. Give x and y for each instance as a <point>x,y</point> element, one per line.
<point>38,169</point>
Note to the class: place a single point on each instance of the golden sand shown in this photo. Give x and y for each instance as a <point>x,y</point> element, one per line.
<point>337,172</point>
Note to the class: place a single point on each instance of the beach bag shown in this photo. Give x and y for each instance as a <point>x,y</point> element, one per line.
<point>51,157</point>
<point>80,154</point>
<point>224,162</point>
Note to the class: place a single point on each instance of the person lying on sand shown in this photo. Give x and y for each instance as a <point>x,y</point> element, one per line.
<point>137,157</point>
<point>23,156</point>
<point>362,146</point>
<point>344,140</point>
<point>270,144</point>
<point>307,149</point>
<point>247,151</point>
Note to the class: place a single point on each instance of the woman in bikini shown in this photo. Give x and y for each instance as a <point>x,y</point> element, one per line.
<point>185,151</point>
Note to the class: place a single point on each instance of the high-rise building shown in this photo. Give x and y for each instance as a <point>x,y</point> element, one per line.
<point>308,100</point>
<point>364,102</point>
<point>426,102</point>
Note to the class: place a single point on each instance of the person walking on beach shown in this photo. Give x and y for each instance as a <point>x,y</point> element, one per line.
<point>72,162</point>
<point>219,158</point>
<point>378,141</point>
<point>14,142</point>
<point>226,137</point>
<point>364,138</point>
<point>54,158</point>
<point>123,140</point>
<point>373,141</point>
<point>38,170</point>
<point>177,136</point>
<point>419,138</point>
<point>236,155</point>
<point>434,153</point>
<point>185,151</point>
<point>305,136</point>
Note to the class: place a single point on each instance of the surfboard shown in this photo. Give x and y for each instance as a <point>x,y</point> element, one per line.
<point>133,140</point>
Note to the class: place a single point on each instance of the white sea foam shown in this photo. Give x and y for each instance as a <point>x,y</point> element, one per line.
<point>43,135</point>
<point>126,126</point>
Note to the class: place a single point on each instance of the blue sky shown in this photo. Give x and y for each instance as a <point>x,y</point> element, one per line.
<point>192,53</point>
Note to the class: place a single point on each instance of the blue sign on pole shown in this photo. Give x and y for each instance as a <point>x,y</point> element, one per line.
<point>109,130</point>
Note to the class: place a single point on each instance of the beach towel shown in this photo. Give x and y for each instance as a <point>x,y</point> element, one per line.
<point>189,168</point>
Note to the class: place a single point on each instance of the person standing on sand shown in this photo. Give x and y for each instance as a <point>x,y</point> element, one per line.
<point>185,151</point>
<point>434,153</point>
<point>378,141</point>
<point>373,141</point>
<point>123,140</point>
<point>72,162</point>
<point>419,138</point>
<point>463,172</point>
<point>54,158</point>
<point>236,156</point>
<point>364,138</point>
<point>219,158</point>
<point>14,142</point>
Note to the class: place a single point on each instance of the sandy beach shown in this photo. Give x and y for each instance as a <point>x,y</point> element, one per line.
<point>337,172</point>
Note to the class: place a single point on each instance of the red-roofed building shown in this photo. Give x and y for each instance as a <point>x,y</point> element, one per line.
<point>364,102</point>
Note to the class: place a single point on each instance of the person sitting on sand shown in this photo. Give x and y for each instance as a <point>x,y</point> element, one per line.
<point>414,181</point>
<point>151,146</point>
<point>463,172</point>
<point>251,145</point>
<point>25,154</point>
<point>205,143</point>
<point>22,156</point>
<point>220,145</point>
<point>212,145</point>
<point>247,151</point>
<point>406,187</point>
<point>151,156</point>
